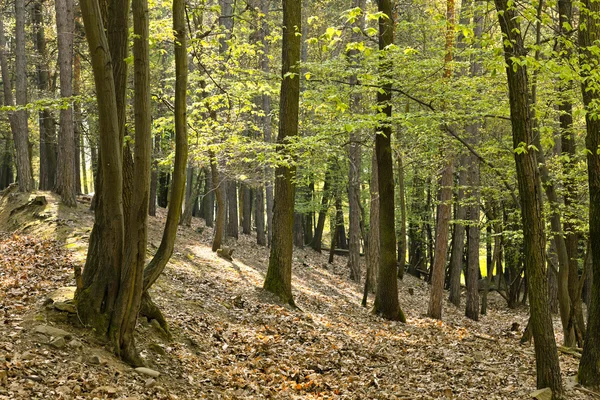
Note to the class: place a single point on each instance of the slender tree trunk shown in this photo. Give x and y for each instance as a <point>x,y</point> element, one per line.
<point>402,239</point>
<point>472,278</point>
<point>46,122</point>
<point>441,244</point>
<point>247,210</point>
<point>209,198</point>
<point>186,218</point>
<point>232,207</point>
<point>458,236</point>
<point>219,189</point>
<point>259,216</point>
<point>279,273</point>
<point>65,177</point>
<point>547,366</point>
<point>327,192</point>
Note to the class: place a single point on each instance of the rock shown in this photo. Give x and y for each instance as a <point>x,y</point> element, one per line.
<point>58,343</point>
<point>64,390</point>
<point>150,382</point>
<point>541,394</point>
<point>147,371</point>
<point>27,356</point>
<point>226,253</point>
<point>66,306</point>
<point>77,389</point>
<point>93,360</point>
<point>52,331</point>
<point>76,344</point>
<point>63,294</point>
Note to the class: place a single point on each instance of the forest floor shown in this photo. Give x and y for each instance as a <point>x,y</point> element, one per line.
<point>231,340</point>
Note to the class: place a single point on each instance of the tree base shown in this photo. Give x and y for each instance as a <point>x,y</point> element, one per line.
<point>151,311</point>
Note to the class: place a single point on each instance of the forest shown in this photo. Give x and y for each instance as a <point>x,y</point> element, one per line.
<point>300,199</point>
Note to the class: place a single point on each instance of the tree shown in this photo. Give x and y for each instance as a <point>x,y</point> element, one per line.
<point>386,295</point>
<point>547,366</point>
<point>279,273</point>
<point>20,130</point>
<point>441,244</point>
<point>354,159</point>
<point>589,367</point>
<point>65,177</point>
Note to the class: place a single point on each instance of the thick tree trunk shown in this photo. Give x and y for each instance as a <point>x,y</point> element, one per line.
<point>279,273</point>
<point>386,296</point>
<point>66,166</point>
<point>20,129</point>
<point>589,368</point>
<point>441,244</point>
<point>547,366</point>
<point>372,250</point>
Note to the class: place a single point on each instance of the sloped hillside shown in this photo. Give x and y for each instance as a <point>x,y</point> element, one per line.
<point>231,340</point>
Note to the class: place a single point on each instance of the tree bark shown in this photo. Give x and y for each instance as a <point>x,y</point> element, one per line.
<point>458,236</point>
<point>232,209</point>
<point>327,192</point>
<point>441,244</point>
<point>386,296</point>
<point>66,166</point>
<point>259,216</point>
<point>547,366</point>
<point>589,367</point>
<point>279,273</point>
<point>20,129</point>
<point>402,240</point>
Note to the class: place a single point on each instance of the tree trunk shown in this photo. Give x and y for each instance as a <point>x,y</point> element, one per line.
<point>458,235</point>
<point>20,129</point>
<point>208,200</point>
<point>372,250</point>
<point>186,218</point>
<point>589,367</point>
<point>441,244</point>
<point>66,167</point>
<point>402,244</point>
<point>327,192</point>
<point>46,122</point>
<point>386,296</point>
<point>259,216</point>
<point>279,273</point>
<point>472,275</point>
<point>547,366</point>
<point>247,210</point>
<point>232,207</point>
<point>298,230</point>
<point>218,186</point>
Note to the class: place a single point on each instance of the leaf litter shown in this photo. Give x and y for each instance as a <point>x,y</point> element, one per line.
<point>232,340</point>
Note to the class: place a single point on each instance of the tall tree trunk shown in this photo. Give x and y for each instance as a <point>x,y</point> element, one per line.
<point>20,130</point>
<point>96,299</point>
<point>472,275</point>
<point>165,249</point>
<point>208,199</point>
<point>386,296</point>
<point>247,210</point>
<point>372,250</point>
<point>589,367</point>
<point>232,209</point>
<point>259,216</point>
<point>279,273</point>
<point>195,185</point>
<point>458,235</point>
<point>66,167</point>
<point>402,239</point>
<point>441,244</point>
<point>46,122</point>
<point>218,186</point>
<point>547,366</point>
